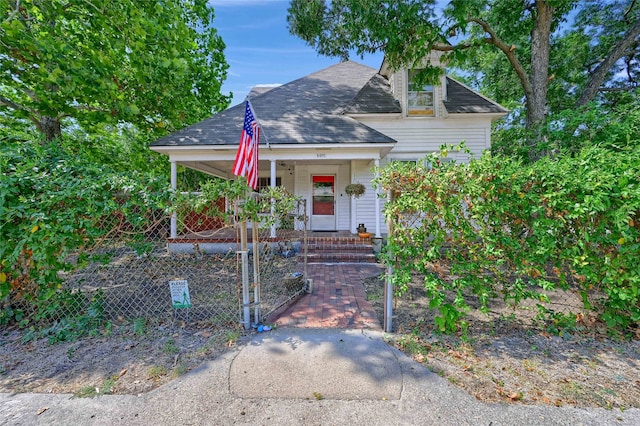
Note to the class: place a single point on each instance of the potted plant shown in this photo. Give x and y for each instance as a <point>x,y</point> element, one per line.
<point>355,190</point>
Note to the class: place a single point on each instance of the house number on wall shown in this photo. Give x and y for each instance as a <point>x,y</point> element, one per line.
<point>321,155</point>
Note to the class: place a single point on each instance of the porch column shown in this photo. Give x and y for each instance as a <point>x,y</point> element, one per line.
<point>377,202</point>
<point>174,187</point>
<point>273,201</point>
<point>352,200</point>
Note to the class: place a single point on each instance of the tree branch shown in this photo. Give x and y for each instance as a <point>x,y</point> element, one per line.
<point>508,51</point>
<point>600,72</point>
<point>14,12</point>
<point>629,9</point>
<point>12,104</point>
<point>617,89</point>
<point>449,47</point>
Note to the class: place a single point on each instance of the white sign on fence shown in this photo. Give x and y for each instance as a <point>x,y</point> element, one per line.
<point>180,294</point>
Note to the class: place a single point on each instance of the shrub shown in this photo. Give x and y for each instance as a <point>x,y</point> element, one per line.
<point>520,231</point>
<point>53,204</point>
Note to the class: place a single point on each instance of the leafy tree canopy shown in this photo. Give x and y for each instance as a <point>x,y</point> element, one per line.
<point>519,50</point>
<point>156,65</point>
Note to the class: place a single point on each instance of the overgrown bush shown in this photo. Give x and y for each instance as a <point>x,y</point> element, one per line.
<point>53,204</point>
<point>518,231</point>
<point>58,202</point>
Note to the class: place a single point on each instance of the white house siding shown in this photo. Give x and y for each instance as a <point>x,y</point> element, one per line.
<point>416,137</point>
<point>303,184</point>
<point>365,206</point>
<point>287,181</point>
<point>343,202</point>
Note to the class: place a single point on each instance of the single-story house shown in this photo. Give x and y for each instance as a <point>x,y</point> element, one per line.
<point>335,127</point>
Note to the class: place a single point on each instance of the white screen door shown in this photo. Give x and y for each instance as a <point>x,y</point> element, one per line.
<point>323,203</point>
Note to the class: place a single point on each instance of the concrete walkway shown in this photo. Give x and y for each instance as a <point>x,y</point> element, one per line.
<point>304,376</point>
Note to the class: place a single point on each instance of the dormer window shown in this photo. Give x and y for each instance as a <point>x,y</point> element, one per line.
<point>419,98</point>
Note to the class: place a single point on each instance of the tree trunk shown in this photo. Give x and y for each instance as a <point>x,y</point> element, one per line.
<point>536,104</point>
<point>50,128</point>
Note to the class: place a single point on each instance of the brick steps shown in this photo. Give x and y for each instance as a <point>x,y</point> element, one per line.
<point>340,250</point>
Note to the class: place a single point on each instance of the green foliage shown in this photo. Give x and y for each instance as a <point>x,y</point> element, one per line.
<point>504,228</point>
<point>156,64</point>
<point>570,131</point>
<point>404,30</point>
<point>54,202</point>
<point>264,208</point>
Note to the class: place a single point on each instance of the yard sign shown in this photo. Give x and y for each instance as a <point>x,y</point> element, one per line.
<point>180,294</point>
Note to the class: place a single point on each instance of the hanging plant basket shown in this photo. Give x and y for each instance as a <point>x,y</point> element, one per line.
<point>355,190</point>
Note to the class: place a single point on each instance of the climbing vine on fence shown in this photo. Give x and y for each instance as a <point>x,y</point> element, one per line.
<point>505,229</point>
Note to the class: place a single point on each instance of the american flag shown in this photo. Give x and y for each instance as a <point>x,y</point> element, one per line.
<point>246,163</point>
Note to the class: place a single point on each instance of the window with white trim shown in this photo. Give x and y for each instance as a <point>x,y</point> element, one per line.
<point>420,98</point>
<point>265,182</point>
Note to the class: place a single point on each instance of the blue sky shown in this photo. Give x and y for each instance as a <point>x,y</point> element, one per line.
<point>260,49</point>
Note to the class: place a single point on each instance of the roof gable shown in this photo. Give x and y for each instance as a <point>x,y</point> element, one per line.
<point>462,99</point>
<point>374,98</point>
<point>305,111</point>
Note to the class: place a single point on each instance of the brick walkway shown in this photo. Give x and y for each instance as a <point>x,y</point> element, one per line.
<point>338,299</point>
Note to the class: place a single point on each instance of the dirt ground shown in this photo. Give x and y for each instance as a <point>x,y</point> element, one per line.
<point>129,359</point>
<point>499,359</point>
<point>503,359</point>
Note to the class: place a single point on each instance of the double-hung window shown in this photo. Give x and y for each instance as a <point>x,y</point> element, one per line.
<point>419,97</point>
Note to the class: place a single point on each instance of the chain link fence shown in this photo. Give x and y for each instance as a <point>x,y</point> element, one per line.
<point>190,270</point>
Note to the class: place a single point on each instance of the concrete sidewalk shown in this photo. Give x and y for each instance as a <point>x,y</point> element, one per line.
<point>305,376</point>
<point>297,376</point>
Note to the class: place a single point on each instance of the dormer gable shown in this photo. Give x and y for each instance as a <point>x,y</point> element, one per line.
<point>447,96</point>
<point>418,101</point>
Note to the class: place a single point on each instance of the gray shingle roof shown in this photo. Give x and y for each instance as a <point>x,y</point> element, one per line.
<point>461,99</point>
<point>374,98</point>
<point>311,110</point>
<point>305,111</point>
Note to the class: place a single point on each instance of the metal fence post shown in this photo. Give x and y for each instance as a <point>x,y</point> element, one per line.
<point>388,289</point>
<point>256,273</point>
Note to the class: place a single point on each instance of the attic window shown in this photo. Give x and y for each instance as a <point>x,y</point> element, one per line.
<point>419,98</point>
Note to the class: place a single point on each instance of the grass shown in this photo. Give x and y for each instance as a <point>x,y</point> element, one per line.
<point>412,345</point>
<point>170,347</point>
<point>157,371</point>
<point>139,326</point>
<point>179,370</point>
<point>106,388</point>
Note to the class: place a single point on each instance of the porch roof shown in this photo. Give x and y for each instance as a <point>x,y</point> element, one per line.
<point>310,110</point>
